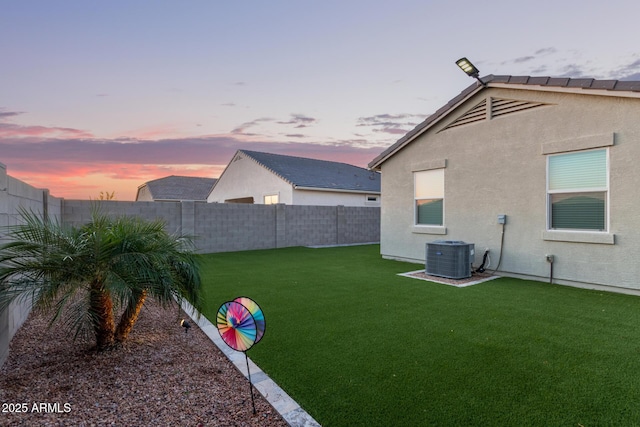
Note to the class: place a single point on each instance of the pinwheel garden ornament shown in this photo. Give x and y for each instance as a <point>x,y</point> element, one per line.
<point>241,324</point>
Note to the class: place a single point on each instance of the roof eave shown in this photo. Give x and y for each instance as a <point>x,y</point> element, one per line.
<point>428,123</point>
<point>621,89</point>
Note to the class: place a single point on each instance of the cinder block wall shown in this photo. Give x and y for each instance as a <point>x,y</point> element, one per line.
<point>78,212</point>
<point>15,194</point>
<point>228,227</point>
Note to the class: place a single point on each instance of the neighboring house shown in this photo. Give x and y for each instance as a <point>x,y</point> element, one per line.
<point>263,178</point>
<point>175,188</point>
<point>559,157</point>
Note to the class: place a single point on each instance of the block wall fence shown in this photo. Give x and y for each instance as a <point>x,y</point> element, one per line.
<point>15,194</point>
<point>215,227</point>
<point>222,227</point>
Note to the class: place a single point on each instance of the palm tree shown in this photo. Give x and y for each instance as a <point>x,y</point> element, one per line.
<point>84,274</point>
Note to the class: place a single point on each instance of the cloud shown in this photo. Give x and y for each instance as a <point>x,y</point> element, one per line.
<point>546,51</point>
<point>630,71</point>
<point>524,59</point>
<point>12,130</point>
<point>7,114</point>
<point>573,70</point>
<point>394,124</point>
<point>300,120</point>
<point>8,130</point>
<point>632,77</point>
<point>81,168</point>
<point>241,130</point>
<point>295,135</point>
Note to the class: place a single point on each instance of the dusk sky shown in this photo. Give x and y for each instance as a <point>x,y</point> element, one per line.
<point>104,96</point>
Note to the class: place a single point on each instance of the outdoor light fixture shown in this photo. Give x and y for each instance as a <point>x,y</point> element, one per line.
<point>471,70</point>
<point>186,325</point>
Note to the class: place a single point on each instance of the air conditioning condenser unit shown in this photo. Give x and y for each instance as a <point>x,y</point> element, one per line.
<point>449,258</point>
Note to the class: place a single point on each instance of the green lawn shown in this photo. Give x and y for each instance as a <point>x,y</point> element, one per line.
<point>355,344</point>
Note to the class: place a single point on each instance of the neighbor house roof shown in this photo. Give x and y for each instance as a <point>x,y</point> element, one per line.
<point>313,174</point>
<point>556,84</point>
<point>179,188</point>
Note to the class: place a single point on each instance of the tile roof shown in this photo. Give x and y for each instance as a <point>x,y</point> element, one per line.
<point>180,188</point>
<point>320,174</point>
<point>581,84</point>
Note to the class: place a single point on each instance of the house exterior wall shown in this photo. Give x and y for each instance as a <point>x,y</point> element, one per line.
<point>144,195</point>
<point>14,195</point>
<point>498,166</point>
<point>243,177</point>
<point>332,198</point>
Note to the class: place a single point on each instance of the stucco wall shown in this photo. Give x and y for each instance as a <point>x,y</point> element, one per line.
<point>330,198</point>
<point>144,195</point>
<point>497,167</point>
<point>15,194</point>
<point>244,177</point>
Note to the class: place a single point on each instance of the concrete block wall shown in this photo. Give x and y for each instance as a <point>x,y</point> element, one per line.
<point>360,225</point>
<point>311,225</point>
<point>16,195</point>
<point>78,212</point>
<point>222,227</point>
<point>229,227</point>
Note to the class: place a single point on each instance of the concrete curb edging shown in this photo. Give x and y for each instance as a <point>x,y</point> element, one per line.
<point>288,408</point>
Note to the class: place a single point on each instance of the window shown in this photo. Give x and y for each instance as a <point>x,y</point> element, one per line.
<point>577,190</point>
<point>271,199</point>
<point>429,197</point>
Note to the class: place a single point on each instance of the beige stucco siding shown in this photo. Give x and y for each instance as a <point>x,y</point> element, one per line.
<point>497,167</point>
<point>144,195</point>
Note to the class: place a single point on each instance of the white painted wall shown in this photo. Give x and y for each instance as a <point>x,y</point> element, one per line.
<point>331,198</point>
<point>497,167</point>
<point>244,177</point>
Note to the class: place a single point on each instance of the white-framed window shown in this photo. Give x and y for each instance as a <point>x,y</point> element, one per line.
<point>578,190</point>
<point>429,197</point>
<point>271,199</point>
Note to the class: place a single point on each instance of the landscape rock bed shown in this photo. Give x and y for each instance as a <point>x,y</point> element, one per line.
<point>161,376</point>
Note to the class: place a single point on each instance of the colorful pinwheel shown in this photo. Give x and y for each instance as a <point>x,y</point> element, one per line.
<point>257,314</point>
<point>236,326</point>
<point>241,324</point>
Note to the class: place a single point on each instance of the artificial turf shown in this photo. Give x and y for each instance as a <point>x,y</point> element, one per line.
<point>356,345</point>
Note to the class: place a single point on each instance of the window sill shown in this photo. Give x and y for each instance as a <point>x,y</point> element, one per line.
<point>579,237</point>
<point>426,229</point>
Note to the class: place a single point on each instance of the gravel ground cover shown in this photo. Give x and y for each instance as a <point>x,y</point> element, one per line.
<point>161,376</point>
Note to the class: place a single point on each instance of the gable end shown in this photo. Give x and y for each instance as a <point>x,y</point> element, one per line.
<point>491,108</point>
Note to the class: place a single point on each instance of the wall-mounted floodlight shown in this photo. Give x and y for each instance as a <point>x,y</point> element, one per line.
<point>471,70</point>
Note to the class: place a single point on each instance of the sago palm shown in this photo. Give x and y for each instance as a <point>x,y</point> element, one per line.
<point>85,273</point>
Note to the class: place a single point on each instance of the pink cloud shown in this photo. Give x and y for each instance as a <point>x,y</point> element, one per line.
<point>9,130</point>
<point>81,168</point>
